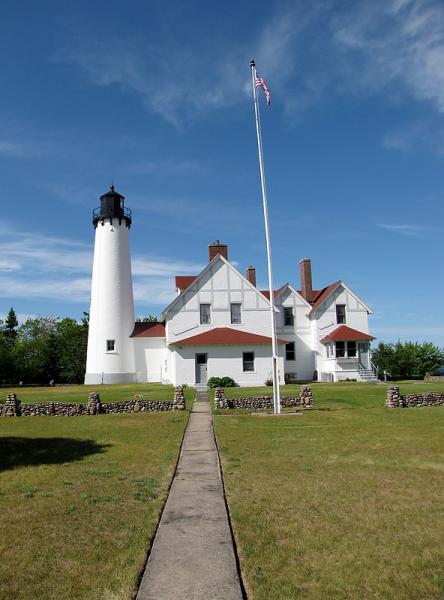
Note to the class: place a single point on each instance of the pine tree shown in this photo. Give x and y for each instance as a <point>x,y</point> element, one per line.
<point>10,328</point>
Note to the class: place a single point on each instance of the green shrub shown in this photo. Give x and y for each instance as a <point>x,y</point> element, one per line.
<point>214,382</point>
<point>227,382</point>
<point>223,382</point>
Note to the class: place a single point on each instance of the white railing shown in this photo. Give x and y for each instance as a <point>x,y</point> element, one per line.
<point>375,369</point>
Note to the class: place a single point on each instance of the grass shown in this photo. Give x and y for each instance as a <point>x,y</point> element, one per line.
<point>79,393</point>
<point>80,499</point>
<point>341,503</point>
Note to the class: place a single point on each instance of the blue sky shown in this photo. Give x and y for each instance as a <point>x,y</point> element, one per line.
<point>156,97</point>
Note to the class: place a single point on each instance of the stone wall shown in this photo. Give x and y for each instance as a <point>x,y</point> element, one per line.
<point>304,400</point>
<point>434,377</point>
<point>14,408</point>
<point>396,400</point>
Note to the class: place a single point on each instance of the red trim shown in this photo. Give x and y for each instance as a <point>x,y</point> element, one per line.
<point>225,336</point>
<point>346,334</point>
<point>148,330</point>
<point>322,295</point>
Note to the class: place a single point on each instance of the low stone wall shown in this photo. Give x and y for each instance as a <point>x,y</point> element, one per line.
<point>14,408</point>
<point>434,377</point>
<point>396,400</point>
<point>304,400</point>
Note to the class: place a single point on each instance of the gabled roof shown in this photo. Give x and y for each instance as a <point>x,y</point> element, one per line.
<point>220,336</point>
<point>201,275</point>
<point>322,295</point>
<point>148,330</point>
<point>346,334</point>
<point>183,281</point>
<point>286,286</point>
<point>266,293</point>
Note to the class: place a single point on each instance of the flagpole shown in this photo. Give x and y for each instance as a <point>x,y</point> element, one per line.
<point>275,357</point>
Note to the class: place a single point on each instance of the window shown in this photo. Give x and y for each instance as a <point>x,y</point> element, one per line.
<point>110,345</point>
<point>346,350</point>
<point>351,349</point>
<point>340,313</point>
<point>340,349</point>
<point>289,351</point>
<point>248,361</point>
<point>236,315</point>
<point>205,314</point>
<point>288,316</point>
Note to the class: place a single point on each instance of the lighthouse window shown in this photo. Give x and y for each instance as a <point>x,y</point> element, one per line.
<point>110,345</point>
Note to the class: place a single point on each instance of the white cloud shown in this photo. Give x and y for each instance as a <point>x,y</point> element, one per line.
<point>21,317</point>
<point>34,266</point>
<point>170,79</point>
<point>15,149</point>
<point>399,41</point>
<point>406,229</point>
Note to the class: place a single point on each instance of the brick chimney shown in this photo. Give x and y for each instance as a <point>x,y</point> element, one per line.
<point>306,281</point>
<point>217,248</point>
<point>251,275</point>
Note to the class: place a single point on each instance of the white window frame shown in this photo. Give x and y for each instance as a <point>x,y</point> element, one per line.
<point>289,308</point>
<point>294,351</point>
<point>344,322</point>
<point>239,304</point>
<point>108,342</point>
<point>346,355</point>
<point>202,313</point>
<point>244,370</point>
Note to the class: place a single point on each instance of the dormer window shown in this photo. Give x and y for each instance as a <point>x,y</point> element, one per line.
<point>288,316</point>
<point>340,314</point>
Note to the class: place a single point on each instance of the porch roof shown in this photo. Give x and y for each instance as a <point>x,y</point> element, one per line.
<point>220,336</point>
<point>346,334</point>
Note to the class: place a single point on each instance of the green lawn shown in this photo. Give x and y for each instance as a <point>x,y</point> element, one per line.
<point>79,501</point>
<point>79,393</point>
<point>338,503</point>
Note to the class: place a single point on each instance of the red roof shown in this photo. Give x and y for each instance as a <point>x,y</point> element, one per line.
<point>148,330</point>
<point>225,336</point>
<point>266,293</point>
<point>322,295</point>
<point>183,281</point>
<point>346,334</point>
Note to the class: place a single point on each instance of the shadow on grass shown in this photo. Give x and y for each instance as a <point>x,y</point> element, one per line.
<point>24,452</point>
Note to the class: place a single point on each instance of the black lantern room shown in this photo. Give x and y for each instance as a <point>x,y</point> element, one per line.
<point>112,207</point>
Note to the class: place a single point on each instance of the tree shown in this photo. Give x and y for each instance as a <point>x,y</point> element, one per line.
<point>10,328</point>
<point>43,349</point>
<point>148,319</point>
<point>34,351</point>
<point>71,344</point>
<point>405,360</point>
<point>5,357</point>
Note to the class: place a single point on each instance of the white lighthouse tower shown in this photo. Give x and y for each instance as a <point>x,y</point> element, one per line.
<point>110,357</point>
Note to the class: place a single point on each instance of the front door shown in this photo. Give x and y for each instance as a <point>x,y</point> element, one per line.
<point>201,369</point>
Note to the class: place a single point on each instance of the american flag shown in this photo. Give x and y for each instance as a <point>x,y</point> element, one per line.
<point>260,82</point>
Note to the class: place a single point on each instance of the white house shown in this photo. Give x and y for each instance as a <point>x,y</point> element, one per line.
<point>219,322</point>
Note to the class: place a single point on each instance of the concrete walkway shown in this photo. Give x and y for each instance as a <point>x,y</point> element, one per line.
<point>192,557</point>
